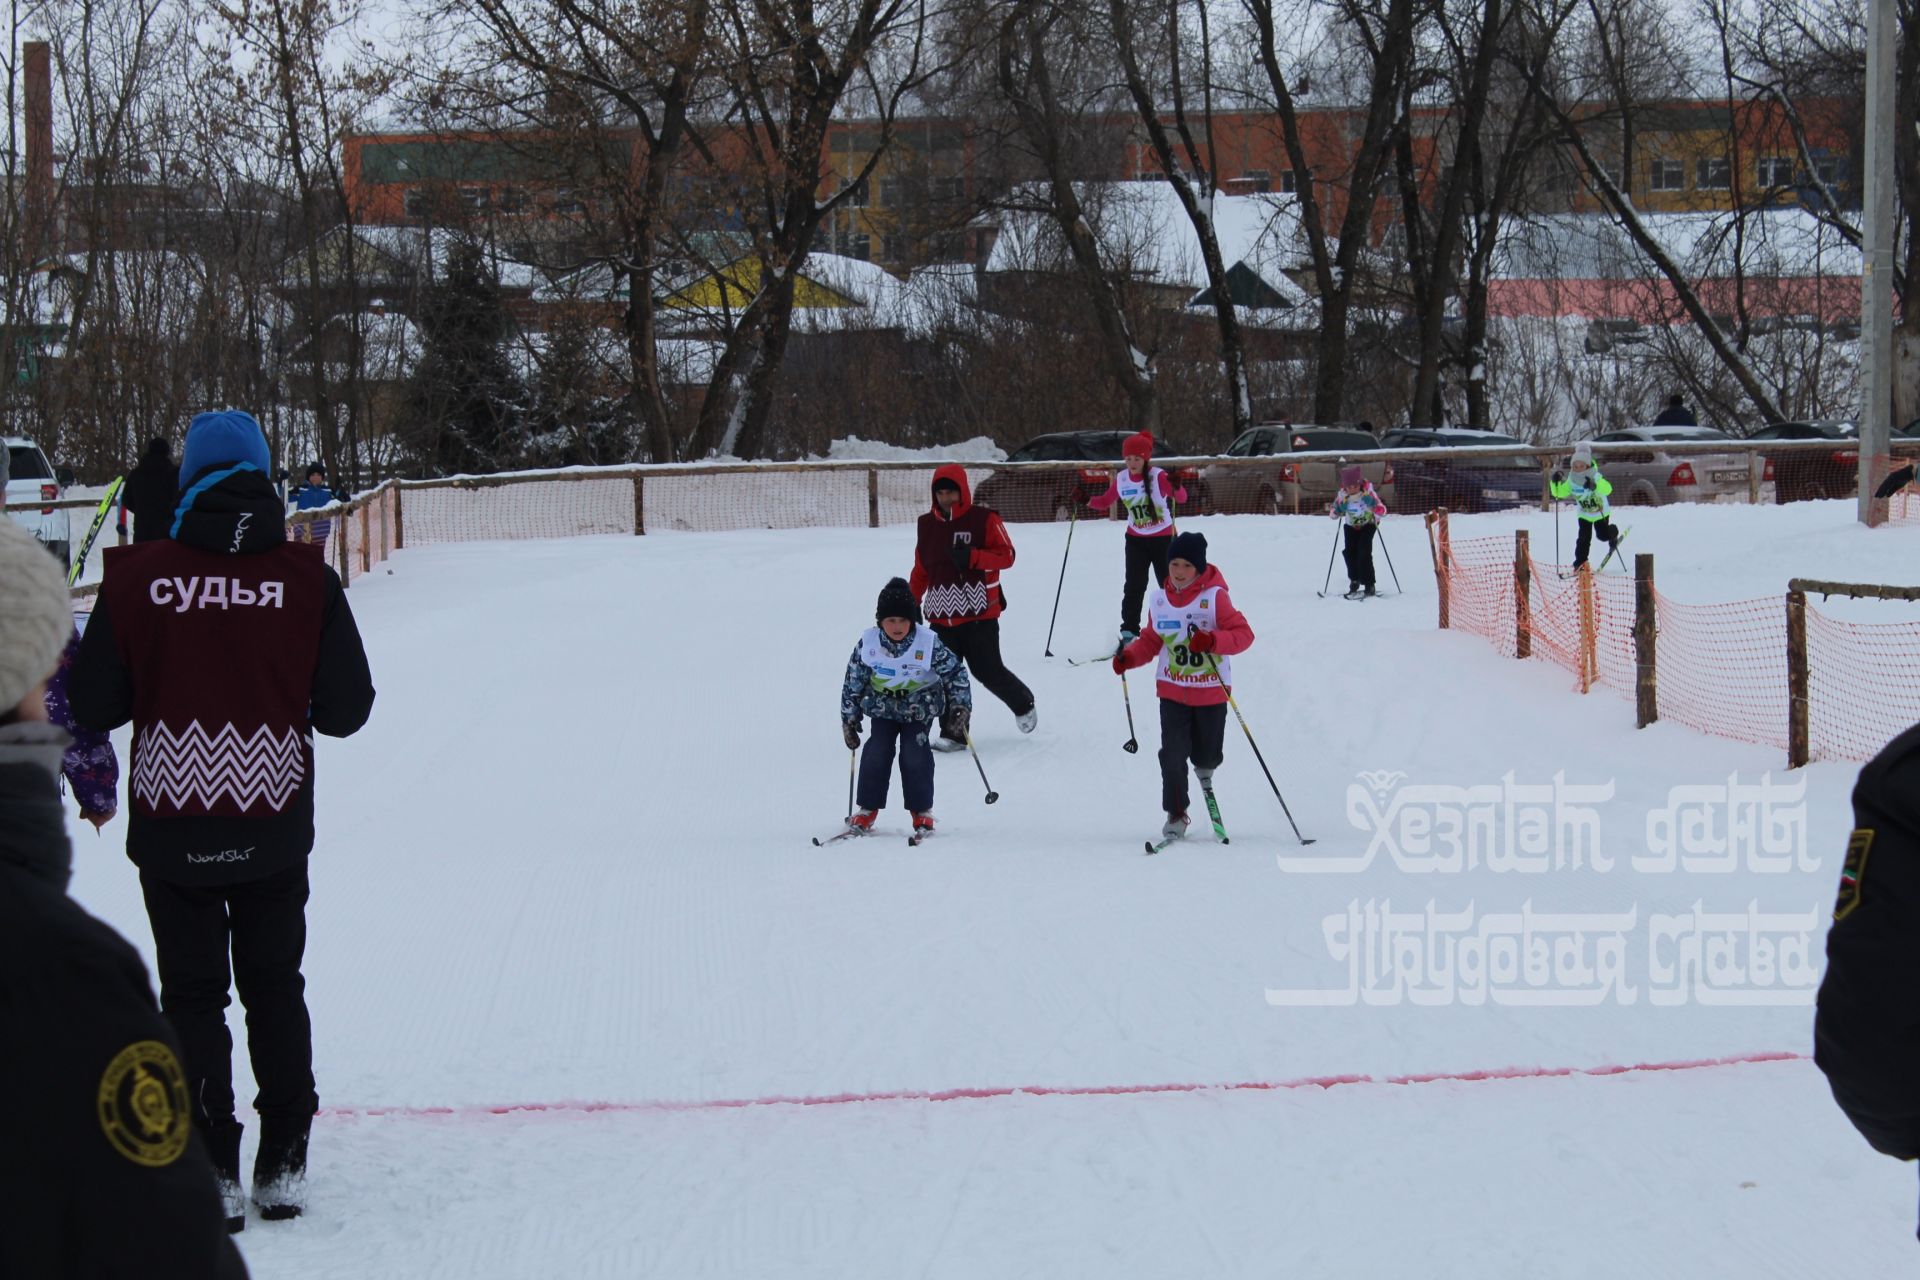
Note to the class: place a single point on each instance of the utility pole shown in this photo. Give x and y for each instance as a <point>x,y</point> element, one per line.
<point>1876,258</point>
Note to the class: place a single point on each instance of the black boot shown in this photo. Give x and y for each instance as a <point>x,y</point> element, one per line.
<point>223,1145</point>
<point>280,1167</point>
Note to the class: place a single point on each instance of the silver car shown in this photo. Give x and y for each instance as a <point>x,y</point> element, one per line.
<point>1654,477</point>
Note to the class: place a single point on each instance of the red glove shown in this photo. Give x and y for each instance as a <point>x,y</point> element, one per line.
<point>1120,663</point>
<point>1201,642</point>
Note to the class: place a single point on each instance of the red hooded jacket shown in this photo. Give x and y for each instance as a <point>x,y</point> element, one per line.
<point>1231,634</point>
<point>948,594</point>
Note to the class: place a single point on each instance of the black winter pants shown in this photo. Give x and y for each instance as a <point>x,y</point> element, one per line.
<point>1188,733</point>
<point>261,927</point>
<point>1581,544</point>
<point>876,765</point>
<point>978,645</point>
<point>1358,550</point>
<point>1142,552</point>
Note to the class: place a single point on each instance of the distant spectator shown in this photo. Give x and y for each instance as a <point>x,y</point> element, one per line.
<point>149,492</point>
<point>1676,414</point>
<point>315,493</point>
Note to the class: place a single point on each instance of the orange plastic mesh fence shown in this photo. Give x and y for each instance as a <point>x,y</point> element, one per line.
<point>1723,667</point>
<point>1863,682</point>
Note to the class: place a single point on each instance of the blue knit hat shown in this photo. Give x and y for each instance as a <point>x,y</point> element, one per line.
<point>1191,547</point>
<point>225,435</point>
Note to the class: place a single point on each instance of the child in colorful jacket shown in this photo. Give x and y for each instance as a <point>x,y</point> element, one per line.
<point>1361,508</point>
<point>902,678</point>
<point>1588,489</point>
<point>1192,628</point>
<point>1146,495</point>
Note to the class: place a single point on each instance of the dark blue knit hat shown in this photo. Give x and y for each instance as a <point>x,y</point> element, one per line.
<point>223,436</point>
<point>1191,547</point>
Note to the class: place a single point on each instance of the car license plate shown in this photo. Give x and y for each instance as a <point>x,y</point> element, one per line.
<point>1728,477</point>
<point>1501,495</point>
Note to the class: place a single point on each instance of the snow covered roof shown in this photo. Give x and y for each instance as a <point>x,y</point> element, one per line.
<point>1144,231</point>
<point>419,250</point>
<point>1591,246</point>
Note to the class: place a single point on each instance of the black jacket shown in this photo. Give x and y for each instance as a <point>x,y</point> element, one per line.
<point>1866,1032</point>
<point>1675,415</point>
<point>224,692</point>
<point>103,1175</point>
<point>150,492</point>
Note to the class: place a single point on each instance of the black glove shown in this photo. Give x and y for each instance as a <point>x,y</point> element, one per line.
<point>1559,477</point>
<point>962,557</point>
<point>850,730</point>
<point>956,723</point>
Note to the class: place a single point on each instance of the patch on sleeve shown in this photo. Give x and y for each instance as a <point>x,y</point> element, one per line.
<point>143,1104</point>
<point>1853,872</point>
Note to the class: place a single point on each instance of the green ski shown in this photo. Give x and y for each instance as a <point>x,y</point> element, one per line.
<point>93,531</point>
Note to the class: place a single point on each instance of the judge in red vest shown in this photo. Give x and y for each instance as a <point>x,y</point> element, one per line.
<point>227,647</point>
<point>956,573</point>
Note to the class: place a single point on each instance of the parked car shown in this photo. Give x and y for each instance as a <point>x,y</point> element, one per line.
<point>1814,473</point>
<point>1655,477</point>
<point>1494,483</point>
<point>1307,485</point>
<point>1057,493</point>
<point>30,478</point>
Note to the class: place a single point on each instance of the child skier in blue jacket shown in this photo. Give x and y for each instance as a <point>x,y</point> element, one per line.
<point>903,679</point>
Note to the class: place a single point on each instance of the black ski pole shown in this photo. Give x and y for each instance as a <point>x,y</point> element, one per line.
<point>1073,518</point>
<point>1382,535</point>
<point>1330,555</point>
<point>1211,662</point>
<point>1132,744</point>
<point>992,795</point>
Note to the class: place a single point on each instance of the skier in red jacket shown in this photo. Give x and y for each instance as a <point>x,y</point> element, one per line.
<point>956,573</point>
<point>1147,495</point>
<point>1192,628</point>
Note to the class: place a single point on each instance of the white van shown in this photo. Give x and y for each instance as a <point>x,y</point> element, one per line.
<point>31,478</point>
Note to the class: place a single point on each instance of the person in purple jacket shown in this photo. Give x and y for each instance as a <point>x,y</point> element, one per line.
<point>89,766</point>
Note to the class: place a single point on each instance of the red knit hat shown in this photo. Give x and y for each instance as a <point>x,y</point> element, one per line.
<point>1140,444</point>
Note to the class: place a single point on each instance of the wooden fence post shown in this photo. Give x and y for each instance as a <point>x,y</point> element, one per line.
<point>366,539</point>
<point>1522,596</point>
<point>1437,543</point>
<point>1646,695</point>
<point>399,519</point>
<point>1797,746</point>
<point>1756,467</point>
<point>639,505</point>
<point>873,498</point>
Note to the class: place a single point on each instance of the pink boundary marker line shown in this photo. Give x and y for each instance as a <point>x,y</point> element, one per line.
<point>1067,1091</point>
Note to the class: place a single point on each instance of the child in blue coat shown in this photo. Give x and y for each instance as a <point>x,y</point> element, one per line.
<point>903,679</point>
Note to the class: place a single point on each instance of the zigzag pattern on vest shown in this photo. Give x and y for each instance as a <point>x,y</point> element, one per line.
<point>956,601</point>
<point>195,768</point>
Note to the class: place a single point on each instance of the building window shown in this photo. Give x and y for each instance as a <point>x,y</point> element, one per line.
<point>860,195</point>
<point>893,247</point>
<point>474,199</point>
<point>853,244</point>
<point>1832,170</point>
<point>417,203</point>
<point>953,189</point>
<point>1256,180</point>
<point>565,201</point>
<point>512,200</point>
<point>1289,182</point>
<point>1712,173</point>
<point>1776,171</point>
<point>1666,175</point>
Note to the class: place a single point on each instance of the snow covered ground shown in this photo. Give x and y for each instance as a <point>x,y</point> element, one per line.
<point>570,943</point>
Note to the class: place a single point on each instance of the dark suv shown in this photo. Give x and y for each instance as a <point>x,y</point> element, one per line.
<point>1813,473</point>
<point>1494,483</point>
<point>1058,493</point>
